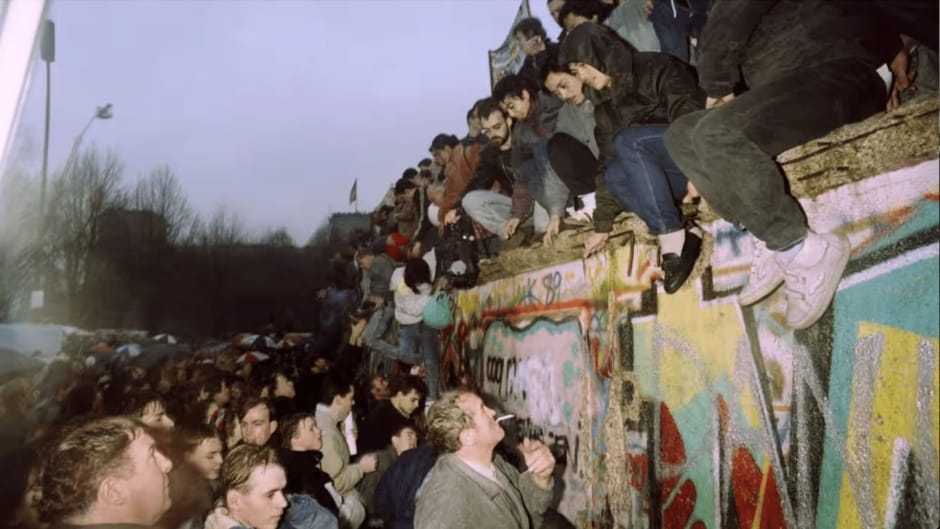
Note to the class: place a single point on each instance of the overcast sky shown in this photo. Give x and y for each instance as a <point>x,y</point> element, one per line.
<point>271,107</point>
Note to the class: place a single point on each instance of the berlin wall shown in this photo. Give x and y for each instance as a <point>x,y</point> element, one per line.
<point>691,411</point>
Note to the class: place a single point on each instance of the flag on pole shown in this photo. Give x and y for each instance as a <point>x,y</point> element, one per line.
<point>352,192</point>
<point>508,58</point>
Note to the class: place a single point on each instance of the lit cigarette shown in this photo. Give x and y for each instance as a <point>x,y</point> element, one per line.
<point>504,417</point>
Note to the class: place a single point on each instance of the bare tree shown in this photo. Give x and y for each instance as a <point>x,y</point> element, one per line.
<point>278,237</point>
<point>161,193</point>
<point>19,215</point>
<point>224,228</point>
<point>320,236</point>
<point>79,199</point>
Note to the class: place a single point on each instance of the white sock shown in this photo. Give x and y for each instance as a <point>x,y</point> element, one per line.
<point>588,201</point>
<point>672,242</point>
<point>785,257</point>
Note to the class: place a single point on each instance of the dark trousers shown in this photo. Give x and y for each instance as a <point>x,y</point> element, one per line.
<point>573,162</point>
<point>728,152</point>
<point>675,21</point>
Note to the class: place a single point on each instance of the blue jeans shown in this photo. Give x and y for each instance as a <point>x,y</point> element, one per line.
<point>675,23</point>
<point>411,338</point>
<point>645,180</point>
<point>373,336</point>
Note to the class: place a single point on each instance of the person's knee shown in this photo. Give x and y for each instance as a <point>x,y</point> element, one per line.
<point>678,135</point>
<point>717,131</point>
<point>626,148</point>
<point>473,201</point>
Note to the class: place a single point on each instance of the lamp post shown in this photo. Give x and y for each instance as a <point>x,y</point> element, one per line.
<point>47,51</point>
<point>103,112</point>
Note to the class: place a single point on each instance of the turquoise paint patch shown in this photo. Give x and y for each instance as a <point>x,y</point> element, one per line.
<point>695,427</point>
<point>569,373</point>
<point>924,217</point>
<point>597,422</point>
<point>568,412</point>
<point>905,299</point>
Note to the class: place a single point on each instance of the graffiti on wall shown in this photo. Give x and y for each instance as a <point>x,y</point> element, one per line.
<point>690,411</point>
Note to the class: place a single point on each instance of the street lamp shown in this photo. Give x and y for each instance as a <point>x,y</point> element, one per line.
<point>47,51</point>
<point>102,112</point>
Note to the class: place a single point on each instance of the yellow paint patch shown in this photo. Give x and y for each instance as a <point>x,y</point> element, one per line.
<point>894,414</point>
<point>713,332</point>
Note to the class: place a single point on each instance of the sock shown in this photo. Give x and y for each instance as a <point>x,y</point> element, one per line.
<point>785,257</point>
<point>672,242</point>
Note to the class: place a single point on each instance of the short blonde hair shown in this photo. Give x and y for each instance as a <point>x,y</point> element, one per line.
<point>241,462</point>
<point>446,420</point>
<point>76,462</point>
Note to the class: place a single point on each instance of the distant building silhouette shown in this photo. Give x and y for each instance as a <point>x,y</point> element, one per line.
<point>344,225</point>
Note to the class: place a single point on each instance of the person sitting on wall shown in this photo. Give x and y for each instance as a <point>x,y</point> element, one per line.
<point>636,95</point>
<point>827,80</point>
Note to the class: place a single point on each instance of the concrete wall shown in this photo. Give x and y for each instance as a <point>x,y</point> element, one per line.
<point>690,411</point>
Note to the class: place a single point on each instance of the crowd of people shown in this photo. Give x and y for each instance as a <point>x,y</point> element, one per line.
<point>255,433</point>
<point>356,425</point>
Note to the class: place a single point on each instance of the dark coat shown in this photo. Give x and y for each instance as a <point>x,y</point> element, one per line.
<point>305,477</point>
<point>394,499</point>
<point>535,180</point>
<point>764,41</point>
<point>376,431</point>
<point>646,88</point>
<point>495,167</point>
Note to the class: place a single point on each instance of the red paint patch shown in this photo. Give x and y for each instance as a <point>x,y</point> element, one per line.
<point>900,214</point>
<point>676,515</point>
<point>671,449</point>
<point>771,516</point>
<point>639,469</point>
<point>746,479</point>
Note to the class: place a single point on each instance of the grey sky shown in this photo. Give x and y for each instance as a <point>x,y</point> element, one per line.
<point>271,107</point>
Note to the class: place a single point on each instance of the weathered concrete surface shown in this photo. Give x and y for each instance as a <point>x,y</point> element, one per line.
<point>690,411</point>
<point>883,143</point>
<point>851,153</point>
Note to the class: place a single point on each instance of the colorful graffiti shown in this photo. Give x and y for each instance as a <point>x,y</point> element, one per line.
<point>690,411</point>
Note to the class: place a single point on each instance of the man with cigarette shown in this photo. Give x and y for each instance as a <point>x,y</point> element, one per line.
<point>468,484</point>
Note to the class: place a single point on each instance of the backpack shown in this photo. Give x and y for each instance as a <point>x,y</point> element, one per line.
<point>458,257</point>
<point>437,311</point>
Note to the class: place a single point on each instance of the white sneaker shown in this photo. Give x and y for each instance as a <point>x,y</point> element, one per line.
<point>577,214</point>
<point>588,204</point>
<point>765,276</point>
<point>586,212</point>
<point>810,289</point>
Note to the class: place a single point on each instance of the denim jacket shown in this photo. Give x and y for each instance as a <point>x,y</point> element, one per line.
<point>303,512</point>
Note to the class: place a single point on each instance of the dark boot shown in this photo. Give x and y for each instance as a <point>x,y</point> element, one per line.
<point>678,267</point>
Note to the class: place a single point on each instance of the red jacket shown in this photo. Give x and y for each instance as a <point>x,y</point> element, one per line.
<point>457,174</point>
